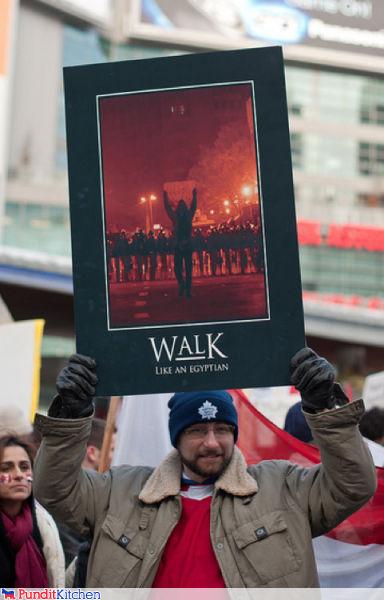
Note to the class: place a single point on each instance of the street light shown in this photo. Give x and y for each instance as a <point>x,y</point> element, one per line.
<point>246,190</point>
<point>147,200</point>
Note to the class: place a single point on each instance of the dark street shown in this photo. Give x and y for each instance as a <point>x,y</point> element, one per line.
<point>223,298</point>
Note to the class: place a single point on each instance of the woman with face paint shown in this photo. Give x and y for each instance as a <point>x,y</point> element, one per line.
<point>31,555</point>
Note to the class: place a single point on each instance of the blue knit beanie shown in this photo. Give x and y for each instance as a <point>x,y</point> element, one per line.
<point>188,408</point>
<point>296,425</point>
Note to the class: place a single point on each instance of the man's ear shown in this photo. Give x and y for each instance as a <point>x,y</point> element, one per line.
<point>92,456</point>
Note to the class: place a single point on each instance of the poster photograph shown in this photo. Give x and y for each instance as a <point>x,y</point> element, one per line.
<point>183,225</point>
<point>185,257</point>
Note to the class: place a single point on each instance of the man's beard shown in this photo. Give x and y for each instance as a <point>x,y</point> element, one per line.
<point>194,467</point>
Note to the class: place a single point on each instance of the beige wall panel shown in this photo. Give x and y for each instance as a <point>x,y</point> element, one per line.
<point>37,84</point>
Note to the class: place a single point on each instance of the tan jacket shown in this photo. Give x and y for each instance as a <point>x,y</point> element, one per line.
<point>262,518</point>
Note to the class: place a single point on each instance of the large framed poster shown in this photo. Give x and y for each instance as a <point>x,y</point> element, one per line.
<point>185,257</point>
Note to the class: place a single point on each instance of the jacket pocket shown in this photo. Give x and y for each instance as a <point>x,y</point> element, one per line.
<point>119,554</point>
<point>268,546</point>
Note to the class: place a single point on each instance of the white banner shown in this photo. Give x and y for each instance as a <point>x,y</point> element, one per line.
<point>142,430</point>
<point>20,355</point>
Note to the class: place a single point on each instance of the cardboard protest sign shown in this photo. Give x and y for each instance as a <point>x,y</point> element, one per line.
<point>20,359</point>
<point>185,255</point>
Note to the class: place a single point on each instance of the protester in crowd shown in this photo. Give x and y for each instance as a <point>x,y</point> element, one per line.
<point>202,518</point>
<point>372,425</point>
<point>31,555</point>
<point>296,424</point>
<point>182,218</point>
<point>94,445</point>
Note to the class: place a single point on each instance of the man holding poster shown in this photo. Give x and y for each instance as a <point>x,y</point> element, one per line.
<point>190,157</point>
<point>202,518</point>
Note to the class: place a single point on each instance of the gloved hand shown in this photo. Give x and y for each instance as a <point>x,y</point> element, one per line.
<point>314,377</point>
<point>76,388</point>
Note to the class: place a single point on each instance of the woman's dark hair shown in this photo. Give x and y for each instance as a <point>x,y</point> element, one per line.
<point>12,440</point>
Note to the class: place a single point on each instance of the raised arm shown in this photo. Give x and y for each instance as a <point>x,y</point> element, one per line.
<point>346,478</point>
<point>71,494</point>
<point>193,206</point>
<point>167,205</point>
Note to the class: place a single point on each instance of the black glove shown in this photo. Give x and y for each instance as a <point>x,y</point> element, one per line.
<point>314,377</point>
<point>76,388</point>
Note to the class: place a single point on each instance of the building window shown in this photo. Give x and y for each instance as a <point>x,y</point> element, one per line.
<point>371,158</point>
<point>297,150</point>
<point>372,114</point>
<point>37,227</point>
<point>80,46</point>
<point>371,200</point>
<point>294,109</point>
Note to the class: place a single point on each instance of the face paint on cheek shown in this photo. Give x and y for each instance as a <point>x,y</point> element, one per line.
<point>5,478</point>
<point>29,478</point>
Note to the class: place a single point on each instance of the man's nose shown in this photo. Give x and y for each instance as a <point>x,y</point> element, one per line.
<point>210,439</point>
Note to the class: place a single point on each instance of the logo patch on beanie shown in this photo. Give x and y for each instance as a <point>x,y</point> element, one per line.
<point>207,410</point>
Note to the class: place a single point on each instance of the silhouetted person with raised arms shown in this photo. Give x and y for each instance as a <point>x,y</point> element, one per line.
<point>182,218</point>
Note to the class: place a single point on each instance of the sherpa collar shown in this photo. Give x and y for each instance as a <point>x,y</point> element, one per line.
<point>165,479</point>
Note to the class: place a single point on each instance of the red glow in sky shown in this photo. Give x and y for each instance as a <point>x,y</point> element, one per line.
<point>149,139</point>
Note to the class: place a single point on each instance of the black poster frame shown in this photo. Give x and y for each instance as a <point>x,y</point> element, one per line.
<point>235,353</point>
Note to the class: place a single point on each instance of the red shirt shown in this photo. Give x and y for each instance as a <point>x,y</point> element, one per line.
<point>188,560</point>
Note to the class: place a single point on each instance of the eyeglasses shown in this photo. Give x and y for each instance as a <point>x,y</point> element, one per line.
<point>220,430</point>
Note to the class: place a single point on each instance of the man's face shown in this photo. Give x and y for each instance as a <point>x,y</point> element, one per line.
<point>206,449</point>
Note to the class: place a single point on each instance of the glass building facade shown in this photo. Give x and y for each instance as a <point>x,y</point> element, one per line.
<point>44,226</point>
<point>337,140</point>
<point>337,122</point>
